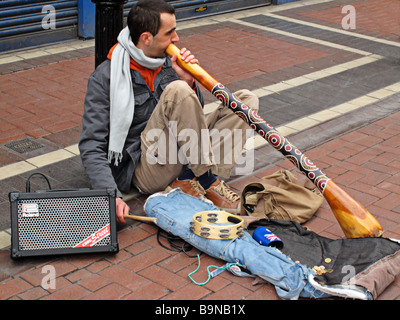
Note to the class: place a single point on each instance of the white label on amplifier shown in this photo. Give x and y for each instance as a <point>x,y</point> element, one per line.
<point>30,210</point>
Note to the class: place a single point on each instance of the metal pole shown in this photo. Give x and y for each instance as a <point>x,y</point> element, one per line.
<point>109,23</point>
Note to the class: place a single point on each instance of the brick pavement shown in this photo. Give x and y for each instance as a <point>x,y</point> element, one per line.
<point>337,99</point>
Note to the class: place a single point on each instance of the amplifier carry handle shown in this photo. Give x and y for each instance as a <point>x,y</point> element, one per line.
<point>28,181</point>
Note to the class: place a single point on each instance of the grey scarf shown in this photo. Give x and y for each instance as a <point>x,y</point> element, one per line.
<point>122,99</point>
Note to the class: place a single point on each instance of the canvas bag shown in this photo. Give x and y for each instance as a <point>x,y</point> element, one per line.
<point>281,196</point>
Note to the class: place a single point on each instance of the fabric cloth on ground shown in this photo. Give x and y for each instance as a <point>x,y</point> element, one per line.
<point>372,263</point>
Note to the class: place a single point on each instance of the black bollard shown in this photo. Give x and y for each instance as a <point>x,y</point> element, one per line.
<point>109,23</point>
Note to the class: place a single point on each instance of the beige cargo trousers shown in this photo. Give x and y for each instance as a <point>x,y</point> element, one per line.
<point>179,134</point>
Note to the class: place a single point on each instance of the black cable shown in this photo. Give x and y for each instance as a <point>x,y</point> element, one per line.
<point>176,243</point>
<point>28,181</point>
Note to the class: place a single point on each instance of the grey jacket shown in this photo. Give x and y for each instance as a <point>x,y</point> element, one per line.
<point>93,144</point>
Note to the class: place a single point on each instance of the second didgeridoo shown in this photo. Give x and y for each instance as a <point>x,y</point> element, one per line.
<point>353,218</point>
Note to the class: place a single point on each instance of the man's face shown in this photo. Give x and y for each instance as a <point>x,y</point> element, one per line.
<point>165,36</point>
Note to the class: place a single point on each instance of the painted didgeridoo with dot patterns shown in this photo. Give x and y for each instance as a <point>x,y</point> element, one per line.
<point>353,218</point>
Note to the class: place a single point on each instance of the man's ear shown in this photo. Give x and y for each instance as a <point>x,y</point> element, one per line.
<point>146,38</point>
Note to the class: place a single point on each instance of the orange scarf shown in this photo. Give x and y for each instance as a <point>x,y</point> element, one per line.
<point>148,75</point>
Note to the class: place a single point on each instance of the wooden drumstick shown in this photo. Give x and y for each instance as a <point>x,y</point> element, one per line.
<point>353,218</point>
<point>140,218</point>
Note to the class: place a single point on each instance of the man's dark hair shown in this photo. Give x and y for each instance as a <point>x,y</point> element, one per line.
<point>145,17</point>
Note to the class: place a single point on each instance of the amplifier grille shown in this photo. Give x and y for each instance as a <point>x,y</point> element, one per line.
<point>61,222</point>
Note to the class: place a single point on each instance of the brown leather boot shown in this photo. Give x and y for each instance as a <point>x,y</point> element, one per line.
<point>192,187</point>
<point>223,197</point>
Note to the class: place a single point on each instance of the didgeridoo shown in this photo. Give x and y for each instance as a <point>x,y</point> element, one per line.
<point>353,218</point>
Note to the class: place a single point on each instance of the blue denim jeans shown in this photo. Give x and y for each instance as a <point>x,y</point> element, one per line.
<point>175,211</point>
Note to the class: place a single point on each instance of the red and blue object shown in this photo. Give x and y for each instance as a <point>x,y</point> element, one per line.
<point>266,238</point>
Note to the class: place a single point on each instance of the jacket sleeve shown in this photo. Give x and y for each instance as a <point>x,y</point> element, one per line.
<point>93,144</point>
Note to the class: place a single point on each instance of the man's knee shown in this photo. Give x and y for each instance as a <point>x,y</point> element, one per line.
<point>178,87</point>
<point>181,97</point>
<point>248,98</point>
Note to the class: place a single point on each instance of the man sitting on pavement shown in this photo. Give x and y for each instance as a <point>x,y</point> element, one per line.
<point>140,93</point>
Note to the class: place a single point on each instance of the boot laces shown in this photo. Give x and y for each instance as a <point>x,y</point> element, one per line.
<point>197,187</point>
<point>226,192</point>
